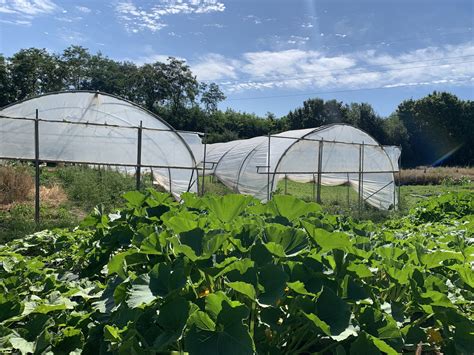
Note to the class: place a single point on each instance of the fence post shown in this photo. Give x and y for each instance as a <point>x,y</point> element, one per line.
<point>204,164</point>
<point>399,181</point>
<point>348,191</point>
<point>139,155</point>
<point>268,169</point>
<point>320,167</point>
<point>361,175</point>
<point>37,171</point>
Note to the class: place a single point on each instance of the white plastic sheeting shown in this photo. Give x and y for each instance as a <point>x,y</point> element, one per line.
<point>394,152</point>
<point>162,146</point>
<point>254,166</point>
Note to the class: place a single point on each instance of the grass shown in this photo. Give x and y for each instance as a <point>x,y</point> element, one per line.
<point>15,183</point>
<point>344,199</point>
<point>436,176</point>
<point>67,194</point>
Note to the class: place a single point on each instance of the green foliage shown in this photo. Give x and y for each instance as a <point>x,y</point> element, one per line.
<point>85,188</point>
<point>229,275</point>
<point>90,187</point>
<point>440,130</point>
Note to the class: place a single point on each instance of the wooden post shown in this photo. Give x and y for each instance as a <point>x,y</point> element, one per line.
<point>37,171</point>
<point>139,155</point>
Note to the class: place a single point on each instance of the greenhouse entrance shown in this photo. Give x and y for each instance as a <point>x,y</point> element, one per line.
<point>335,160</point>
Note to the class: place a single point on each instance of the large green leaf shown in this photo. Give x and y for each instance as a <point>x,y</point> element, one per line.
<point>230,337</point>
<point>118,263</point>
<point>332,314</point>
<point>380,325</point>
<point>243,288</point>
<point>327,240</point>
<point>291,207</point>
<point>273,280</point>
<point>134,198</point>
<point>180,224</point>
<point>23,346</point>
<point>172,318</point>
<point>159,282</point>
<point>228,207</point>
<point>10,306</point>
<point>289,241</point>
<point>370,345</point>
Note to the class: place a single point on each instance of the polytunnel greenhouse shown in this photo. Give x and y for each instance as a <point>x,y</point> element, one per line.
<point>96,128</point>
<point>337,154</point>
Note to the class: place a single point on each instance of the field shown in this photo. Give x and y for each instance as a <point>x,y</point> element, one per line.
<point>229,275</point>
<point>70,192</point>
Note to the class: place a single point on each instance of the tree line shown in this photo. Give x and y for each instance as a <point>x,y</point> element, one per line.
<point>435,130</point>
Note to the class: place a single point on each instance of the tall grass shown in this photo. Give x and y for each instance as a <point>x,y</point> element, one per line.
<point>436,176</point>
<point>15,184</point>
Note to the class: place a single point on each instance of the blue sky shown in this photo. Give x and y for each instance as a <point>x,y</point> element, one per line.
<point>270,55</point>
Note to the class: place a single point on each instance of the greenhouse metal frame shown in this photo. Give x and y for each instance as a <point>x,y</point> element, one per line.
<point>95,128</point>
<point>356,159</point>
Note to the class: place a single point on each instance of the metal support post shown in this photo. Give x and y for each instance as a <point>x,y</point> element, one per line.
<point>348,192</point>
<point>320,167</point>
<point>268,169</point>
<point>286,184</point>
<point>204,164</point>
<point>399,180</point>
<point>139,155</point>
<point>37,171</point>
<point>361,175</point>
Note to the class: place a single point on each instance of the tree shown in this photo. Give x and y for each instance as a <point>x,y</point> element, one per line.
<point>33,72</point>
<point>364,117</point>
<point>4,82</point>
<point>181,84</point>
<point>211,95</point>
<point>440,129</point>
<point>75,61</point>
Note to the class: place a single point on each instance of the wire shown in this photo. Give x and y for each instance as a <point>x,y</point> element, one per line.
<point>340,91</point>
<point>343,73</point>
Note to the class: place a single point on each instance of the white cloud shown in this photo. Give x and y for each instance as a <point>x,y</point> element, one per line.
<point>216,25</point>
<point>27,8</point>
<point>83,9</point>
<point>297,40</point>
<point>17,22</point>
<point>215,67</point>
<point>136,18</point>
<point>151,57</point>
<point>306,69</point>
<point>72,37</point>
